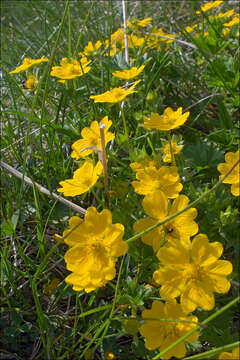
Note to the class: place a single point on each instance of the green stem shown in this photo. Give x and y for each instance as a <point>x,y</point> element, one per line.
<point>171,150</point>
<point>215,352</point>
<point>69,34</point>
<point>195,202</point>
<point>104,164</point>
<point>125,126</point>
<point>116,289</point>
<point>81,31</point>
<point>44,329</point>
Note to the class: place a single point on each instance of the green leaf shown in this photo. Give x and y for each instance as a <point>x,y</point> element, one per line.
<point>225,117</point>
<point>203,154</point>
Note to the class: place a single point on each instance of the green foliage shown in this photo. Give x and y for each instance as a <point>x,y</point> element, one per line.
<point>203,155</point>
<point>200,74</point>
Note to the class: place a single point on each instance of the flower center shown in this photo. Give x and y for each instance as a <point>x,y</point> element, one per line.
<point>97,247</point>
<point>193,272</point>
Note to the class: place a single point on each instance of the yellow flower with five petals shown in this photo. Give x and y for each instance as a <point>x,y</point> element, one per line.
<point>151,179</point>
<point>83,179</point>
<point>234,177</point>
<point>180,228</point>
<point>90,48</point>
<point>71,69</point>
<point>129,73</point>
<point>169,120</point>
<point>114,95</point>
<point>27,63</point>
<point>95,244</point>
<point>165,324</point>
<point>193,272</point>
<point>91,139</point>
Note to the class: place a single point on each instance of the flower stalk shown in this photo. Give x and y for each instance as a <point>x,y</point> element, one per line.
<point>173,161</point>
<point>104,164</point>
<point>124,125</point>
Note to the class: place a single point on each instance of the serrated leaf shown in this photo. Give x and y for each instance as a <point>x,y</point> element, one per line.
<point>203,154</point>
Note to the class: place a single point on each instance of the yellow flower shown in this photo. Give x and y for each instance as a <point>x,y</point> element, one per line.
<point>91,138</point>
<point>206,33</point>
<point>129,73</point>
<point>193,272</point>
<point>225,31</point>
<point>155,39</point>
<point>134,41</point>
<point>31,83</point>
<point>226,14</point>
<point>137,166</point>
<point>27,63</point>
<point>135,24</point>
<point>83,179</point>
<point>116,42</point>
<point>181,228</point>
<point>152,179</point>
<point>176,149</point>
<point>235,20</point>
<point>95,245</point>
<point>117,36</point>
<point>209,5</point>
<point>71,69</point>
<point>114,95</point>
<point>168,323</point>
<point>144,22</point>
<point>90,48</point>
<point>234,355</point>
<point>169,120</point>
<point>190,29</point>
<point>109,355</point>
<point>234,177</point>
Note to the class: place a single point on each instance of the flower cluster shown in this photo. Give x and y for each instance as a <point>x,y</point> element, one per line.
<point>219,16</point>
<point>31,83</point>
<point>189,269</point>
<point>95,244</point>
<point>87,175</point>
<point>209,5</point>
